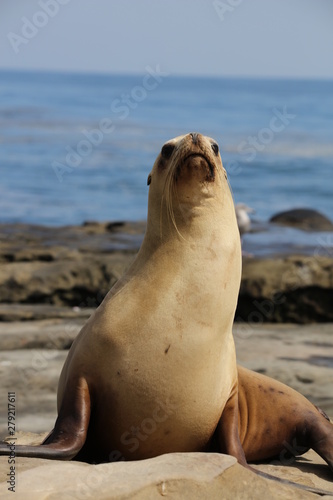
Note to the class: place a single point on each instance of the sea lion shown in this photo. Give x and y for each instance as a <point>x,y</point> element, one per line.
<point>154,369</point>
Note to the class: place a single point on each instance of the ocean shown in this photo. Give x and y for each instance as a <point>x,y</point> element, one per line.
<point>78,147</point>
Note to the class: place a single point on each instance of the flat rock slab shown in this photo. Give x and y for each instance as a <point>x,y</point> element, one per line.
<point>54,333</point>
<point>299,356</point>
<point>33,376</point>
<point>175,475</point>
<point>28,312</point>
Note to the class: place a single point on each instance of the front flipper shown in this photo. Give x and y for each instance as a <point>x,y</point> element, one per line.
<point>70,430</point>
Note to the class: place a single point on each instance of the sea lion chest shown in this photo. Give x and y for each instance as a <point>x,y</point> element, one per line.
<point>166,367</point>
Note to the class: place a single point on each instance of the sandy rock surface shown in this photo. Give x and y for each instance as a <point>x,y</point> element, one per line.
<point>175,475</point>
<point>300,356</point>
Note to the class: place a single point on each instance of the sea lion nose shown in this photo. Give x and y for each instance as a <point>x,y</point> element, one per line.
<point>195,137</point>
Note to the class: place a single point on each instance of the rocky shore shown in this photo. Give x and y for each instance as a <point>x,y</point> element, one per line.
<point>51,279</point>
<point>76,265</point>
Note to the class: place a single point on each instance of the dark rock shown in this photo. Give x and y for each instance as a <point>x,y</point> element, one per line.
<point>303,218</point>
<point>72,265</point>
<point>114,225</point>
<point>77,265</point>
<point>290,289</point>
<point>25,242</point>
<point>81,282</point>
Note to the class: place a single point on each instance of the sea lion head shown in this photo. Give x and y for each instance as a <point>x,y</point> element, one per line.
<point>188,181</point>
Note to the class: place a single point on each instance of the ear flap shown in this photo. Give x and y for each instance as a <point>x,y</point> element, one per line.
<point>149,180</point>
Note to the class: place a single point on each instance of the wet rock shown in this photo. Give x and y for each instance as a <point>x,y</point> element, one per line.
<point>303,218</point>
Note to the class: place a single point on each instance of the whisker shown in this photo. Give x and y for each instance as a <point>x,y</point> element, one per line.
<point>169,193</point>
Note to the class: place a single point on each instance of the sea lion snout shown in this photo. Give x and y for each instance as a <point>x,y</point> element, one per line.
<point>188,170</point>
<point>169,147</point>
<point>195,137</point>
<point>196,164</point>
<point>197,155</point>
<point>199,138</point>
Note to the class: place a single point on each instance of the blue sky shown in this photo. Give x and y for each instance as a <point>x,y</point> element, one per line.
<point>265,38</point>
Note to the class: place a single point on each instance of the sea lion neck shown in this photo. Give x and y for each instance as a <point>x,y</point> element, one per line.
<point>205,244</point>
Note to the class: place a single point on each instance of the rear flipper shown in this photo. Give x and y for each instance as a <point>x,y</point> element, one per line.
<point>321,439</point>
<point>70,430</point>
<point>227,430</point>
<point>275,420</point>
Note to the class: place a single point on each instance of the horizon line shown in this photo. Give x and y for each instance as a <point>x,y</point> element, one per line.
<point>172,75</point>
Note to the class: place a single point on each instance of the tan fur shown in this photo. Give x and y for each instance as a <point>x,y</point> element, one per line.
<point>162,335</point>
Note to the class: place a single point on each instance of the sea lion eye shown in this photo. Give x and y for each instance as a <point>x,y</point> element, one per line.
<point>167,150</point>
<point>215,148</point>
<point>149,180</point>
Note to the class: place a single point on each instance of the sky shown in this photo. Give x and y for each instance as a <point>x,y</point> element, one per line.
<point>253,38</point>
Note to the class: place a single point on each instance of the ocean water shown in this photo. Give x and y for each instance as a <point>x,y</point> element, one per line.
<point>77,147</point>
